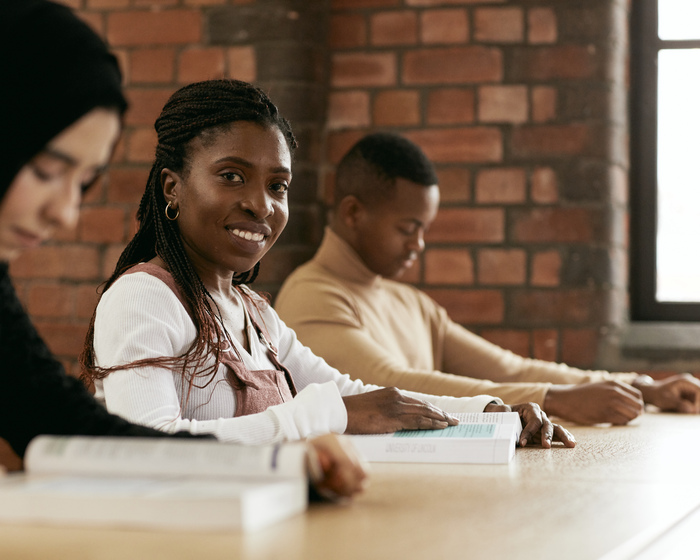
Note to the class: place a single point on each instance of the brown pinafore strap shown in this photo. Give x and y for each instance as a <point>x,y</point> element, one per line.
<point>255,390</point>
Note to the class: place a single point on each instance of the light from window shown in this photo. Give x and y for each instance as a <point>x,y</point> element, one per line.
<point>678,225</point>
<point>679,20</point>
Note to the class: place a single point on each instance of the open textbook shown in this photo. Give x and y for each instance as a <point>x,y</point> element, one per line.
<point>155,483</point>
<point>480,437</point>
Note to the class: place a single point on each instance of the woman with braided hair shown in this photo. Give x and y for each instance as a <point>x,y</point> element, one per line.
<point>61,118</point>
<point>180,342</point>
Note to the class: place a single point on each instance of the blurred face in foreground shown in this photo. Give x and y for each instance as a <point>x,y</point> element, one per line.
<point>45,195</point>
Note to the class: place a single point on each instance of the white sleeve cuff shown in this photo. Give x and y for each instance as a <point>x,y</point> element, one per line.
<point>457,404</point>
<point>318,409</point>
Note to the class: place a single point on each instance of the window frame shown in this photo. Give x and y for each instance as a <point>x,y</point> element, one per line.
<point>645,46</point>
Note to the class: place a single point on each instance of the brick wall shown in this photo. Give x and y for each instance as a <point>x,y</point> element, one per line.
<point>521,104</point>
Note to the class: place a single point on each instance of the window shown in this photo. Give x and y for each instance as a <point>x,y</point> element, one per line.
<point>665,165</point>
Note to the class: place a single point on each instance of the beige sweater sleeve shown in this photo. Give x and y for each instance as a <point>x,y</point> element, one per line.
<point>326,319</point>
<point>465,353</point>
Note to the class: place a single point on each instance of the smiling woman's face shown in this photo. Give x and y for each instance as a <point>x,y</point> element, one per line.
<point>45,195</point>
<point>232,197</point>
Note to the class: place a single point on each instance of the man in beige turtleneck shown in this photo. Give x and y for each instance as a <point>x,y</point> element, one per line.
<point>347,307</point>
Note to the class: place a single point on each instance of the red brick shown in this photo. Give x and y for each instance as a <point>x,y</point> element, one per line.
<point>75,4</point>
<point>119,154</point>
<point>454,184</point>
<point>544,104</point>
<point>554,225</point>
<point>450,106</point>
<point>460,145</point>
<point>105,4</point>
<point>145,105</point>
<point>498,25</point>
<point>101,224</point>
<point>242,63</point>
<point>363,69</point>
<point>396,108</point>
<point>474,64</point>
<point>467,225</point>
<point>541,25</point>
<point>550,307</point>
<point>544,188</point>
<point>356,4</point>
<point>199,64</point>
<point>142,145</point>
<point>86,298</point>
<point>204,2</point>
<point>348,109</point>
<point>70,262</point>
<point>579,347</point>
<point>127,184</point>
<point>546,266</point>
<point>347,31</point>
<point>152,65</point>
<point>111,257</point>
<point>505,186</point>
<point>515,341</point>
<point>340,142</point>
<point>50,300</point>
<point>65,234</point>
<point>444,26</point>
<point>447,266</point>
<point>154,27</point>
<point>471,306</point>
<point>428,3</point>
<point>503,104</point>
<point>556,62</point>
<point>154,3</point>
<point>94,20</point>
<point>502,266</point>
<point>550,140</point>
<point>63,339</point>
<point>545,344</point>
<point>394,28</point>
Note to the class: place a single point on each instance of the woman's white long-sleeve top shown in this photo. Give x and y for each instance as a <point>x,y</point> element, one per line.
<point>140,317</point>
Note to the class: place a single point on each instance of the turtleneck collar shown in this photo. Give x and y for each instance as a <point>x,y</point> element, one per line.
<point>338,257</point>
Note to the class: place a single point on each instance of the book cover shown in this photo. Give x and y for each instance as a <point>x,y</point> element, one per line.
<point>478,438</point>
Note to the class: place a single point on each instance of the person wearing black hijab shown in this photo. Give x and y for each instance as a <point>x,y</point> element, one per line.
<point>54,71</point>
<point>60,110</point>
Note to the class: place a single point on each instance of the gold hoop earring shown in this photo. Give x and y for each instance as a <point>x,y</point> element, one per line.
<point>167,215</point>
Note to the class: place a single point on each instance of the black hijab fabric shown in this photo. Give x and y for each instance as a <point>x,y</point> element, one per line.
<point>53,70</point>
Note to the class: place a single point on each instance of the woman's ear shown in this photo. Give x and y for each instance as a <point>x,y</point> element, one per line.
<point>170,183</point>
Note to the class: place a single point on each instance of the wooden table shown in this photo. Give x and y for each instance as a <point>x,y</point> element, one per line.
<point>623,492</point>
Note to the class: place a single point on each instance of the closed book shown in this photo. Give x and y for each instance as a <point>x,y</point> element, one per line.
<point>155,484</point>
<point>484,437</point>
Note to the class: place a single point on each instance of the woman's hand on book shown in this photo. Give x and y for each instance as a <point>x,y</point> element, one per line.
<point>388,410</point>
<point>537,427</point>
<point>335,468</point>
